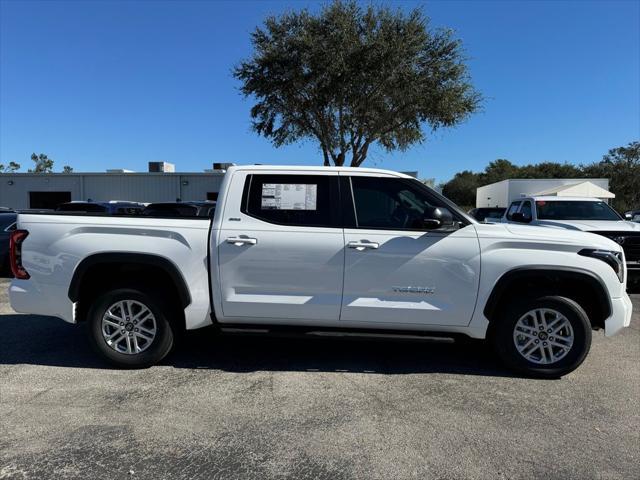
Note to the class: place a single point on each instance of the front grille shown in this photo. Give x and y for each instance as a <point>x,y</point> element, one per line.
<point>629,241</point>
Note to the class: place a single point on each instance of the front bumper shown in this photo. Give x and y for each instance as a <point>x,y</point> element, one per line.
<point>621,310</point>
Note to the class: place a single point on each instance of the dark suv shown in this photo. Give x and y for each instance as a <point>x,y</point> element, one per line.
<point>181,209</point>
<point>108,208</point>
<point>7,224</point>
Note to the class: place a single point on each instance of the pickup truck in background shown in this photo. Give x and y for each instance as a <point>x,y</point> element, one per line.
<point>312,249</point>
<point>586,215</point>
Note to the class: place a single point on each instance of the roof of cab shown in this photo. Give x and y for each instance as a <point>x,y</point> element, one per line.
<point>301,168</point>
<point>553,198</point>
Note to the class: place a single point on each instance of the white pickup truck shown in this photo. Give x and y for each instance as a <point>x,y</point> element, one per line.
<point>583,214</point>
<point>322,249</point>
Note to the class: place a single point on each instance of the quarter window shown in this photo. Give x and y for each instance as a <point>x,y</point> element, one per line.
<point>295,200</point>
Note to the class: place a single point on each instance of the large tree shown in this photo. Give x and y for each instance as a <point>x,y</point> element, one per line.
<point>351,77</point>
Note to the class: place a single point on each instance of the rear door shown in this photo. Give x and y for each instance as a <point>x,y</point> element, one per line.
<point>281,249</point>
<point>396,272</point>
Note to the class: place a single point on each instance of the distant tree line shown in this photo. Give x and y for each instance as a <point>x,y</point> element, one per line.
<point>620,165</point>
<point>42,164</point>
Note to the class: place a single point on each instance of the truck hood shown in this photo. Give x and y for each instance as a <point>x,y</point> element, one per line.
<point>545,235</point>
<point>592,225</point>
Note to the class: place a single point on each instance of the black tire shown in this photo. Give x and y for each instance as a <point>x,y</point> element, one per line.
<point>502,336</point>
<point>158,348</point>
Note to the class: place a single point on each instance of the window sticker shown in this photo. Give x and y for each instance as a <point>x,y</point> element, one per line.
<point>289,196</point>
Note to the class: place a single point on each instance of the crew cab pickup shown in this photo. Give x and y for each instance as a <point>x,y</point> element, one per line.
<point>322,249</point>
<point>584,214</point>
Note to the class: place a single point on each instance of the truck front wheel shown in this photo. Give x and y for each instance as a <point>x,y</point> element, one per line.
<point>129,328</point>
<point>545,337</point>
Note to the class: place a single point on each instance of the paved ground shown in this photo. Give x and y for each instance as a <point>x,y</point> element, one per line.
<point>256,408</point>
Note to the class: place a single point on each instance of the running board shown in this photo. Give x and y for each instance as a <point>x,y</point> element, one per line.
<point>402,336</point>
<point>284,331</point>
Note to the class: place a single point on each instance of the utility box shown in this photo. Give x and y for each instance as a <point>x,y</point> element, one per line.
<point>222,166</point>
<point>161,167</point>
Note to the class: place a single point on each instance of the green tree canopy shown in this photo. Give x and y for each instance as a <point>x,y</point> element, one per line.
<point>10,168</point>
<point>351,77</point>
<point>622,167</point>
<point>462,188</point>
<point>43,164</point>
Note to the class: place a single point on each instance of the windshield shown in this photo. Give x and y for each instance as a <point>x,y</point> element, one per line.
<point>575,210</point>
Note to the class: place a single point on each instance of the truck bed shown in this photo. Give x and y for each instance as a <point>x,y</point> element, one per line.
<point>58,241</point>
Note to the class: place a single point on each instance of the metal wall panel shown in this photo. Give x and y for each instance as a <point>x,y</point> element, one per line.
<point>140,187</point>
<point>195,187</point>
<point>16,195</point>
<point>131,187</point>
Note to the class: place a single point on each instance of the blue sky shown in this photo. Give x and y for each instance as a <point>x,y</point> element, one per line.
<point>114,84</point>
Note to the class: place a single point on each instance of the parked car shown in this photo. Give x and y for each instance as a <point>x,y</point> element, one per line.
<point>7,225</point>
<point>332,250</point>
<point>492,215</point>
<point>632,215</point>
<point>113,207</point>
<point>585,214</point>
<point>180,209</point>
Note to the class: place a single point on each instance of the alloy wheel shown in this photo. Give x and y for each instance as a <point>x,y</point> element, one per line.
<point>128,327</point>
<point>543,336</point>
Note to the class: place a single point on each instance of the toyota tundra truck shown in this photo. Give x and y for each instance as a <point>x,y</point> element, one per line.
<point>309,250</point>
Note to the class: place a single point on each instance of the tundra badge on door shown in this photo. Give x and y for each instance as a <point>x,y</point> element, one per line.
<point>423,290</point>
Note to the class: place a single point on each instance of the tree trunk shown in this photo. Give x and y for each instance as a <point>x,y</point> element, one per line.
<point>361,155</point>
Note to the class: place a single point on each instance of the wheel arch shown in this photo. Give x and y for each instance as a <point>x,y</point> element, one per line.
<point>118,260</point>
<point>582,286</point>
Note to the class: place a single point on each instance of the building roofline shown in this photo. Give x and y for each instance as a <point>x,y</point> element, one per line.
<point>109,174</point>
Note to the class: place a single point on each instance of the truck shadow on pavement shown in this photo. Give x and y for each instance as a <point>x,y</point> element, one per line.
<point>37,340</point>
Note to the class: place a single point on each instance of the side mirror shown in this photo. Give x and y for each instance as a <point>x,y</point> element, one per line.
<point>520,218</point>
<point>437,217</point>
<point>628,216</point>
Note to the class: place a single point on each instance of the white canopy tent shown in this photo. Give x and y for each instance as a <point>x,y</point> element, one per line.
<point>581,189</point>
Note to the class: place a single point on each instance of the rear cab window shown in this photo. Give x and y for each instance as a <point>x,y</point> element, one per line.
<point>513,208</point>
<point>526,210</point>
<point>292,200</point>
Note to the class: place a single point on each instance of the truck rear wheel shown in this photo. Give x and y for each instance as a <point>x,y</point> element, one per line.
<point>129,328</point>
<point>544,337</point>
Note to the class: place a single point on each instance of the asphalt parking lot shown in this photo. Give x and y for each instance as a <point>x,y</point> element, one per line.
<point>256,408</point>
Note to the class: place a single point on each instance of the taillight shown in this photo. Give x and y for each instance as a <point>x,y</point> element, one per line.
<point>15,254</point>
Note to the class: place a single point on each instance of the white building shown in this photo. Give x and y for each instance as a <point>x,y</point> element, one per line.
<point>47,190</point>
<point>501,194</point>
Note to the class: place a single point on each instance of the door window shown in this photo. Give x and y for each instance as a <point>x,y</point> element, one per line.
<point>388,203</point>
<point>513,209</point>
<point>295,200</point>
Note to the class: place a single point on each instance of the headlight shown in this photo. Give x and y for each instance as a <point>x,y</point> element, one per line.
<point>613,259</point>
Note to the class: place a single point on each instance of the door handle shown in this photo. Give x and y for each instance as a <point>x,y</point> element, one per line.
<point>239,241</point>
<point>360,246</point>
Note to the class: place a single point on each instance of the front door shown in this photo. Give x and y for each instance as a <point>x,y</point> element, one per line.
<point>398,273</point>
<point>281,250</point>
